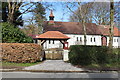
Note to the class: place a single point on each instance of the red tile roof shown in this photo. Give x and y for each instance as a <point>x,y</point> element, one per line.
<point>71,27</point>
<point>52,35</point>
<point>105,30</point>
<point>77,28</point>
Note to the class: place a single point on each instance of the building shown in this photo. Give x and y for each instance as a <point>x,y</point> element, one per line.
<point>96,34</point>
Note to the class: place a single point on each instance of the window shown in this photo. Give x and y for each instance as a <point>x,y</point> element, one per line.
<point>53,42</point>
<point>91,39</point>
<point>114,40</point>
<point>94,39</point>
<point>117,40</point>
<point>80,38</point>
<point>49,41</point>
<point>77,38</point>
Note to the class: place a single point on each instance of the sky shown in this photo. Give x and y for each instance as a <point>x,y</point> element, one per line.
<point>60,13</point>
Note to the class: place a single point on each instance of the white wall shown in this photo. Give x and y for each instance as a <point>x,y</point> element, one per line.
<point>73,39</point>
<point>116,41</point>
<point>56,44</point>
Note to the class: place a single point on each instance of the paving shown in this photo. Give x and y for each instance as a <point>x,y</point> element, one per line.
<point>54,65</point>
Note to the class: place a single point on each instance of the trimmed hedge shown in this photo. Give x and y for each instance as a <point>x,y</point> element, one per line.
<point>86,55</point>
<point>20,52</point>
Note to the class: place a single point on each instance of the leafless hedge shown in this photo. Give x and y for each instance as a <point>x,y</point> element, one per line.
<point>20,52</point>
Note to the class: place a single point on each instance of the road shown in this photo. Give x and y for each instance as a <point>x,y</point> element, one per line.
<point>58,75</point>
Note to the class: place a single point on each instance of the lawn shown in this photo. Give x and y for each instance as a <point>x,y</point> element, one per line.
<point>11,65</point>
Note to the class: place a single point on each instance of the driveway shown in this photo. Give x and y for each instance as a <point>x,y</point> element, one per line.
<point>54,65</point>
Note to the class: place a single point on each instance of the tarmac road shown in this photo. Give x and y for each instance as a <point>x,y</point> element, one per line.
<point>58,76</point>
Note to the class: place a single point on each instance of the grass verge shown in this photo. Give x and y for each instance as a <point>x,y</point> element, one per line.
<point>11,65</point>
<point>105,67</point>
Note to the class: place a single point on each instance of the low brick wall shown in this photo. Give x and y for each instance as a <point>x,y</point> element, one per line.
<point>20,52</point>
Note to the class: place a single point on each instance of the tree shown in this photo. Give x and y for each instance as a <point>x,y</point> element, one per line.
<point>14,13</point>
<point>111,29</point>
<point>11,11</point>
<point>39,16</point>
<point>30,30</point>
<point>98,12</point>
<point>12,34</point>
<point>4,11</point>
<point>85,10</point>
<point>80,15</point>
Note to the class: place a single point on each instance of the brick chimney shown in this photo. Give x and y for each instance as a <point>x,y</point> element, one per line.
<point>51,18</point>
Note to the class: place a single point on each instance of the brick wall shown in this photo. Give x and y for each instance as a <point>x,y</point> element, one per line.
<point>20,52</point>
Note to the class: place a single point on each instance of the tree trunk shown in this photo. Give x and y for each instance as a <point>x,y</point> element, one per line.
<point>111,29</point>
<point>10,12</point>
<point>84,29</point>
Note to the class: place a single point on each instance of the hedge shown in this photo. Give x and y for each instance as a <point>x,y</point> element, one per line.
<point>20,52</point>
<point>86,55</point>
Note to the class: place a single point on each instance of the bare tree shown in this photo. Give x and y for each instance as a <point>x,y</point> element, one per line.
<point>111,29</point>
<point>97,12</point>
<point>100,13</point>
<point>80,14</point>
<point>13,7</point>
<point>85,10</point>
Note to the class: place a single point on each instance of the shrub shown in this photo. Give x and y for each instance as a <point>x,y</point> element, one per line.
<point>20,52</point>
<point>12,34</point>
<point>86,55</point>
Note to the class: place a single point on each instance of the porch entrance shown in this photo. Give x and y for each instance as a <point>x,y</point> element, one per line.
<point>52,53</point>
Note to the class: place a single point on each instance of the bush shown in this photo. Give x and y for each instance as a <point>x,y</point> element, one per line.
<point>86,55</point>
<point>12,34</point>
<point>20,52</point>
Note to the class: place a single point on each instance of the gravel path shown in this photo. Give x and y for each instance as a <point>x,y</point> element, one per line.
<point>55,65</point>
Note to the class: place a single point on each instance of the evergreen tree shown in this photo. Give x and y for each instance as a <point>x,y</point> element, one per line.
<point>39,13</point>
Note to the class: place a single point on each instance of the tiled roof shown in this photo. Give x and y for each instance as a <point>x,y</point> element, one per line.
<point>53,35</point>
<point>77,28</point>
<point>105,30</point>
<point>71,27</point>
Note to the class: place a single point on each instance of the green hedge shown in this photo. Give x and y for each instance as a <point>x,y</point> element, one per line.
<point>86,55</point>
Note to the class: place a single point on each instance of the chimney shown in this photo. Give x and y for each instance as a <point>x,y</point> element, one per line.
<point>51,18</point>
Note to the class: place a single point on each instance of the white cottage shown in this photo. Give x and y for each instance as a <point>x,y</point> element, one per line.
<point>96,34</point>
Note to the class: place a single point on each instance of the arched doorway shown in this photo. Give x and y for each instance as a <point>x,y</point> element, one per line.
<point>104,41</point>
